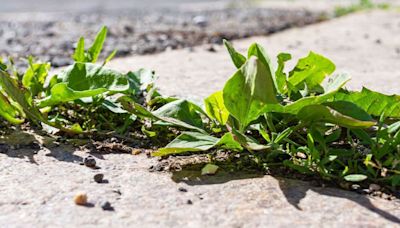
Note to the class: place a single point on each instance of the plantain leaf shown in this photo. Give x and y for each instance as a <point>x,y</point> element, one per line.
<point>196,142</point>
<point>249,91</point>
<point>342,113</point>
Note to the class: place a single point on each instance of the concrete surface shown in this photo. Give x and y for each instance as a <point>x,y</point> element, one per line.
<point>37,189</point>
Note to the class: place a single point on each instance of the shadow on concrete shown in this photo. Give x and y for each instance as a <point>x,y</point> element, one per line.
<point>293,190</point>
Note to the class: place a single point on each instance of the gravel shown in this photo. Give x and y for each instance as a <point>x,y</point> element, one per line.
<point>51,37</point>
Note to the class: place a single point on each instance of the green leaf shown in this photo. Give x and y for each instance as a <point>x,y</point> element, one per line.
<point>374,103</point>
<point>97,46</point>
<point>182,110</point>
<point>84,80</point>
<point>237,58</point>
<point>19,94</point>
<point>209,169</point>
<point>132,107</point>
<point>79,54</point>
<point>110,57</point>
<point>247,142</point>
<point>8,111</point>
<point>355,177</point>
<point>331,88</point>
<point>35,77</point>
<point>197,142</point>
<point>140,80</point>
<point>312,70</point>
<point>188,142</point>
<point>280,74</point>
<point>249,91</point>
<point>258,51</point>
<point>342,113</point>
<point>228,142</point>
<point>216,109</point>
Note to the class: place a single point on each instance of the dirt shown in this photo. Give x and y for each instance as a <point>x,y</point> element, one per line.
<point>39,185</point>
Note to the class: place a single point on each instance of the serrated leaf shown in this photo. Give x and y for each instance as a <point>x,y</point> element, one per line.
<point>311,70</point>
<point>84,80</point>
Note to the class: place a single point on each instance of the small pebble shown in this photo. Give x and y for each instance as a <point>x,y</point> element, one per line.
<point>98,178</point>
<point>189,202</point>
<point>89,161</point>
<point>107,206</point>
<point>80,199</point>
<point>211,48</point>
<point>182,189</point>
<point>355,187</point>
<point>301,155</point>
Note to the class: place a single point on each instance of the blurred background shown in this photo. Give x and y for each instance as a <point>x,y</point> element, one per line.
<point>48,29</point>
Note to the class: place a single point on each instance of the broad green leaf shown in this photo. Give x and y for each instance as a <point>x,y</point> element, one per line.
<point>61,93</point>
<point>79,54</point>
<point>84,80</point>
<point>311,70</point>
<point>196,142</point>
<point>335,83</point>
<point>8,111</point>
<point>20,95</point>
<point>215,107</point>
<point>237,58</point>
<point>331,88</point>
<point>262,55</point>
<point>97,46</point>
<point>112,104</point>
<point>280,75</point>
<point>182,110</point>
<point>140,80</point>
<point>228,142</point>
<point>374,103</point>
<point>249,91</point>
<point>355,177</point>
<point>342,113</point>
<point>188,142</point>
<point>35,76</point>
